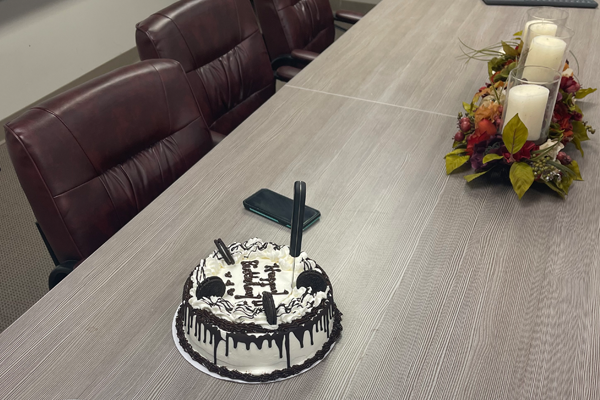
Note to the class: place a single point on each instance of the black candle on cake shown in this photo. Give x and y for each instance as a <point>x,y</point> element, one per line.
<point>297,223</point>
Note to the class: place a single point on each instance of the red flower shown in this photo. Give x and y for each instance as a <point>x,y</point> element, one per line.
<point>484,131</point>
<point>569,85</point>
<point>562,116</point>
<point>524,153</point>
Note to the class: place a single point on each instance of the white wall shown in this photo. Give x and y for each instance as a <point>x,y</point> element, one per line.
<point>46,44</point>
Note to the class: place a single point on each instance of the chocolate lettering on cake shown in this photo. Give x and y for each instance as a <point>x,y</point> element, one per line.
<point>249,281</point>
<point>271,270</point>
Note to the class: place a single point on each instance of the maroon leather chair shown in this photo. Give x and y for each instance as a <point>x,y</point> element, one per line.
<point>296,31</point>
<point>222,51</point>
<point>93,157</point>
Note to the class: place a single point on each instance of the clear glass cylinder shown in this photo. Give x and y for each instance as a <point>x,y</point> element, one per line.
<point>546,45</point>
<point>555,15</point>
<point>533,100</point>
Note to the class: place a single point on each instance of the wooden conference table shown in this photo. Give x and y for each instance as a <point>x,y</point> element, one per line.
<point>448,290</point>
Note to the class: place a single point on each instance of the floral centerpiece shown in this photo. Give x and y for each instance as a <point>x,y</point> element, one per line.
<point>480,143</point>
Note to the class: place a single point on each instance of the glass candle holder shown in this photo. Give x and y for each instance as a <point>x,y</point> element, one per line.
<point>533,100</point>
<point>554,15</point>
<point>548,46</point>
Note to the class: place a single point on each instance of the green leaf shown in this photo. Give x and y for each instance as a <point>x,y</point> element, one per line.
<point>577,144</point>
<point>514,134</point>
<point>469,178</point>
<point>558,190</point>
<point>491,157</point>
<point>579,131</point>
<point>565,183</point>
<point>468,107</point>
<point>566,171</point>
<point>459,145</point>
<point>454,161</point>
<point>575,168</point>
<point>456,151</point>
<point>581,93</point>
<point>509,50</point>
<point>495,64</point>
<point>503,75</point>
<point>521,177</point>
<point>520,33</point>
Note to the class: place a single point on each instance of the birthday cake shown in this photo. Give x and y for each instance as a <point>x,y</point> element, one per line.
<point>241,318</point>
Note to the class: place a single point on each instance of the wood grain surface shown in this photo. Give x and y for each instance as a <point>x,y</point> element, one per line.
<point>409,54</point>
<point>449,290</point>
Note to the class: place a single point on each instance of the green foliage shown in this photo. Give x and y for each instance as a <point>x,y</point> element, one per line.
<point>503,75</point>
<point>581,93</point>
<point>455,159</point>
<point>514,134</point>
<point>491,157</point>
<point>521,177</point>
<point>565,183</point>
<point>509,50</point>
<point>468,107</point>
<point>575,168</point>
<point>520,33</point>
<point>471,177</point>
<point>459,145</point>
<point>558,190</point>
<point>579,135</point>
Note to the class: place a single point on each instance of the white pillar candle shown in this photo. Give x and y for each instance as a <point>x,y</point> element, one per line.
<point>547,29</point>
<point>545,51</point>
<point>529,101</point>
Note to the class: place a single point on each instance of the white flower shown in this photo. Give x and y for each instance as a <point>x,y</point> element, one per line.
<point>554,152</point>
<point>567,72</point>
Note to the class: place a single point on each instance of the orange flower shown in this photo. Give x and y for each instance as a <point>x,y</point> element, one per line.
<point>487,111</point>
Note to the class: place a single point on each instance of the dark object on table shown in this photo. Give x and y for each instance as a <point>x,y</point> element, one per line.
<point>92,158</point>
<point>278,208</point>
<point>312,279</point>
<point>540,3</point>
<point>296,37</point>
<point>222,51</point>
<point>269,307</point>
<point>211,286</point>
<point>224,251</point>
<point>297,216</point>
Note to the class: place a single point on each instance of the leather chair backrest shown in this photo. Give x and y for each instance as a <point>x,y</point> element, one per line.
<point>222,51</point>
<point>295,24</point>
<point>93,157</point>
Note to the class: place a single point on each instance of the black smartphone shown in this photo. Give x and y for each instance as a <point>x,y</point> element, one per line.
<point>278,208</point>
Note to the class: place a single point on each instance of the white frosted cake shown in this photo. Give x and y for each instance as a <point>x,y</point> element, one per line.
<point>244,321</point>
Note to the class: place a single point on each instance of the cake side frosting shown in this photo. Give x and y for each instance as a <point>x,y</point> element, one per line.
<point>230,335</point>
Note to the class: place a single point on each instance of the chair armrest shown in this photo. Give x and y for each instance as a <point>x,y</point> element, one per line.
<point>304,55</point>
<point>349,17</point>
<point>216,137</point>
<point>61,271</point>
<point>286,73</point>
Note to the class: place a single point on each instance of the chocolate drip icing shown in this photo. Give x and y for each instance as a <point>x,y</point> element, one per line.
<point>281,339</point>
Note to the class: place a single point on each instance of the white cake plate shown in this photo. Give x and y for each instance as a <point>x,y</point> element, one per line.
<point>215,375</point>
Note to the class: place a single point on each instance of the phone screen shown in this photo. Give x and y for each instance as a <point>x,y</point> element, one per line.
<point>278,208</point>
